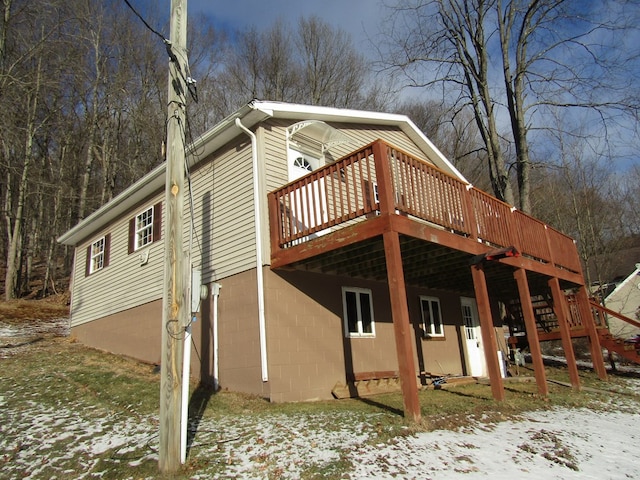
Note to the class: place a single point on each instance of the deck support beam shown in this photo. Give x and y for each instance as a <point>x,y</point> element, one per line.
<point>520,275</point>
<point>562,313</point>
<point>401,325</point>
<point>488,332</point>
<point>594,341</point>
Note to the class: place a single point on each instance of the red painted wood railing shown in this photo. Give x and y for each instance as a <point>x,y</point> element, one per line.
<point>351,189</point>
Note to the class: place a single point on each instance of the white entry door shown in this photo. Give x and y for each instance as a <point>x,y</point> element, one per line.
<point>311,201</point>
<point>473,338</point>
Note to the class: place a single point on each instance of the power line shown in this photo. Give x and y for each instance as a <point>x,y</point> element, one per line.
<point>164,39</point>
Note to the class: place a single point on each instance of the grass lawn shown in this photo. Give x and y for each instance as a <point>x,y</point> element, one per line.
<point>67,411</point>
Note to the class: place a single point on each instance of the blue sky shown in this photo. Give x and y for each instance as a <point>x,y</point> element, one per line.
<point>362,19</point>
<point>357,17</point>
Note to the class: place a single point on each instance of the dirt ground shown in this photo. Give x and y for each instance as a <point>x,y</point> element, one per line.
<point>26,322</point>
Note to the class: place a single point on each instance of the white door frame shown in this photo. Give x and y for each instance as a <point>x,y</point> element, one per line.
<point>314,190</point>
<point>476,362</point>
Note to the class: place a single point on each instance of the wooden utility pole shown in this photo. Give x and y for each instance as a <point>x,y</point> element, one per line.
<point>175,316</point>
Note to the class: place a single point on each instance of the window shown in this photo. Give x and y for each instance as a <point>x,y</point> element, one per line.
<point>357,306</point>
<point>98,255</point>
<point>303,163</point>
<point>431,317</point>
<point>145,227</point>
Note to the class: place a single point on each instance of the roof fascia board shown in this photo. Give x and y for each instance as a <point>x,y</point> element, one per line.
<point>130,197</point>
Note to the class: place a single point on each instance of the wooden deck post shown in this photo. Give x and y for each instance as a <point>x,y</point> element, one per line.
<point>561,311</point>
<point>275,223</point>
<point>401,325</point>
<point>386,194</point>
<point>488,332</point>
<point>594,341</point>
<point>532,330</point>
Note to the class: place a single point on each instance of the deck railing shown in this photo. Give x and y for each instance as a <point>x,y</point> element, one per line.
<point>355,188</point>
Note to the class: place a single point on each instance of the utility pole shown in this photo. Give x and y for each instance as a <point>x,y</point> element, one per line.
<point>175,316</point>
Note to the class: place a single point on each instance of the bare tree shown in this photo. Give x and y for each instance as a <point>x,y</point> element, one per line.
<point>542,52</point>
<point>29,78</point>
<point>453,133</point>
<point>333,71</point>
<point>315,64</point>
<point>577,193</point>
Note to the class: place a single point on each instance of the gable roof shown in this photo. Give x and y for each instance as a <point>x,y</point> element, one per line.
<point>622,285</point>
<point>226,130</point>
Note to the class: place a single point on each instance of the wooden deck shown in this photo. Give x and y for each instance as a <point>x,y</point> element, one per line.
<point>344,204</point>
<point>381,214</point>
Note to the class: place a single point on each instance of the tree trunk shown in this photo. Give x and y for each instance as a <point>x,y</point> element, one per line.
<point>514,85</point>
<point>15,244</point>
<point>93,126</point>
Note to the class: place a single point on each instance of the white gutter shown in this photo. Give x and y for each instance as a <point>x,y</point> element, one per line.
<point>258,232</point>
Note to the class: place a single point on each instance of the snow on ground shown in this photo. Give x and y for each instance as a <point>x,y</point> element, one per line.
<point>600,443</point>
<point>563,444</point>
<point>73,441</point>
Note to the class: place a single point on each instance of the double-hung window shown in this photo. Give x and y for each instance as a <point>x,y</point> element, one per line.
<point>145,228</point>
<point>98,254</point>
<point>357,304</point>
<point>431,316</point>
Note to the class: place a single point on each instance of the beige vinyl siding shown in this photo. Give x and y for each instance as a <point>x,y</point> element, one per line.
<point>274,158</point>
<point>223,240</point>
<point>364,134</point>
<point>275,153</point>
<point>223,220</point>
<point>124,283</point>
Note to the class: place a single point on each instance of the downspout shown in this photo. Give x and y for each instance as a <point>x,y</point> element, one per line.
<point>215,293</point>
<point>258,232</point>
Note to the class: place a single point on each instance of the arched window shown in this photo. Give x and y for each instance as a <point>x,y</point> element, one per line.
<point>303,163</point>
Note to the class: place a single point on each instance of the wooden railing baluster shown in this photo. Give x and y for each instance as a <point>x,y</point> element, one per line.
<point>336,193</point>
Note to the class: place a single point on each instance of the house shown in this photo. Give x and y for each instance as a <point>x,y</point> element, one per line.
<point>335,247</point>
<point>625,299</point>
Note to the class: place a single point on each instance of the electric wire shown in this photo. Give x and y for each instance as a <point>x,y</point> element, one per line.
<point>149,27</point>
<point>186,133</point>
<point>188,79</point>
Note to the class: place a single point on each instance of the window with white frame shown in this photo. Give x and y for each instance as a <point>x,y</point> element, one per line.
<point>431,316</point>
<point>145,227</point>
<point>97,255</point>
<point>357,304</point>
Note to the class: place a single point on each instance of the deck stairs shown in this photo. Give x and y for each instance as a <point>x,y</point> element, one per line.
<point>548,328</point>
<point>628,350</point>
